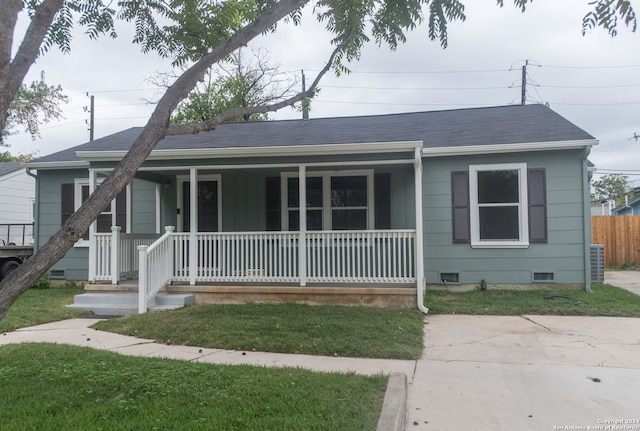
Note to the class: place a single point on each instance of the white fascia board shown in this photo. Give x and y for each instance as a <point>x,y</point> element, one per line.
<point>507,148</point>
<point>57,165</point>
<point>289,150</point>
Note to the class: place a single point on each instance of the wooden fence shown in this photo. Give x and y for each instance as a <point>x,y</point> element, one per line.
<point>620,236</point>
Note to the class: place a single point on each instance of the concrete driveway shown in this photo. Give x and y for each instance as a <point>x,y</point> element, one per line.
<point>527,373</point>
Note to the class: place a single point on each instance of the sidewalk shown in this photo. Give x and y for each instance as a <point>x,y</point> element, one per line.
<point>77,332</point>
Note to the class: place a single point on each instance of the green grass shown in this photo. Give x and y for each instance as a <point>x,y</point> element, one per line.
<point>605,300</point>
<point>51,387</point>
<point>37,306</point>
<point>283,328</point>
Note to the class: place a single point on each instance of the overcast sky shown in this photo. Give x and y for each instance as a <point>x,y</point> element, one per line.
<point>592,80</point>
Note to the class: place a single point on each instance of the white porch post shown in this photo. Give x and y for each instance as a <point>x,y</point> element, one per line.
<point>115,254</point>
<point>158,186</point>
<point>417,165</point>
<point>193,226</point>
<point>92,231</point>
<point>129,204</point>
<point>302,241</point>
<point>143,276</point>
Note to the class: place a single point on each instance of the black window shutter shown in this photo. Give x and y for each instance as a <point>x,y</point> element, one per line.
<point>382,200</point>
<point>272,203</point>
<point>67,205</point>
<point>121,210</point>
<point>537,191</point>
<point>460,207</point>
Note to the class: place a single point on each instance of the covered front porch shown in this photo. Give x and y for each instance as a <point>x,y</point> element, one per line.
<point>348,241</point>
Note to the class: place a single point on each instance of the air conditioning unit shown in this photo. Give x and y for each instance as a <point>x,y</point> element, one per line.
<point>597,263</point>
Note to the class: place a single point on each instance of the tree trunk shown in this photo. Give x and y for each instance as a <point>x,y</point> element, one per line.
<point>13,72</point>
<point>28,273</point>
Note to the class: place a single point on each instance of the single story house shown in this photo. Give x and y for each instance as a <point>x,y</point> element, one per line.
<point>17,197</point>
<point>629,207</point>
<point>495,196</point>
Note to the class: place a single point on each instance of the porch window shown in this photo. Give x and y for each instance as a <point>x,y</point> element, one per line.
<point>74,195</point>
<point>349,203</point>
<point>335,201</point>
<point>314,203</point>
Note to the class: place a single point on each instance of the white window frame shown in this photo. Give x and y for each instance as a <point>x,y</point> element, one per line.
<point>326,195</point>
<point>523,213</point>
<point>78,183</point>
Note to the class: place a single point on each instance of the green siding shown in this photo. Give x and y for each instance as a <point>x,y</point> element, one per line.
<point>75,262</point>
<point>243,203</point>
<point>143,206</point>
<point>564,252</point>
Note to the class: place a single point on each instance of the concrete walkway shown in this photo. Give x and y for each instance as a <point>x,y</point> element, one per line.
<point>76,332</point>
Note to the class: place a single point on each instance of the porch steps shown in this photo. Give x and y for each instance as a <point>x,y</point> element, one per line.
<point>120,304</point>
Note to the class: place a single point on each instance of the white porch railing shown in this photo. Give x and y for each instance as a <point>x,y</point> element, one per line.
<point>361,257</point>
<point>156,267</point>
<point>377,256</point>
<point>239,257</point>
<point>115,263</point>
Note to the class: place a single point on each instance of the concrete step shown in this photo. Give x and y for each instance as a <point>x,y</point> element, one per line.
<point>120,304</point>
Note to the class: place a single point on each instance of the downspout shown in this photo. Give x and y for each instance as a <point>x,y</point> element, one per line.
<point>36,210</point>
<point>417,168</point>
<point>586,196</point>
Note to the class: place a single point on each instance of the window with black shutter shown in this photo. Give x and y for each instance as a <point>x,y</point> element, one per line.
<point>537,191</point>
<point>488,206</point>
<point>382,200</point>
<point>272,204</point>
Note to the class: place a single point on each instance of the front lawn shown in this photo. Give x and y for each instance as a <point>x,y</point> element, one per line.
<point>283,328</point>
<point>605,300</point>
<point>37,306</point>
<point>55,387</point>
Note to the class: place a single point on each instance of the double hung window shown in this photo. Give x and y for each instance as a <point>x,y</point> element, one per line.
<point>501,205</point>
<point>335,201</point>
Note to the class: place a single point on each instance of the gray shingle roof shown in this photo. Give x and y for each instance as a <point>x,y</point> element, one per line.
<point>451,128</point>
<point>8,167</point>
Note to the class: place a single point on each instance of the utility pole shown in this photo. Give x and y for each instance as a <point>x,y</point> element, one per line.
<point>305,107</point>
<point>523,94</point>
<point>91,117</point>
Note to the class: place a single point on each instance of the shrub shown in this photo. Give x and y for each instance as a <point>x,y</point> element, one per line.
<point>43,282</point>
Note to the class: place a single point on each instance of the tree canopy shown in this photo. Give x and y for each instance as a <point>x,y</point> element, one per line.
<point>240,81</point>
<point>611,187</point>
<point>199,34</point>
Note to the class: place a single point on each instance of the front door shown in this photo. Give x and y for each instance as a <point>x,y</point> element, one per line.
<point>207,206</point>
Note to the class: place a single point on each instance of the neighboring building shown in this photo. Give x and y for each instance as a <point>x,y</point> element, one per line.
<point>17,195</point>
<point>501,194</point>
<point>629,207</point>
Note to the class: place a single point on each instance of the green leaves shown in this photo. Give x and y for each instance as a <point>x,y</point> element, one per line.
<point>35,104</point>
<point>97,17</point>
<point>440,13</point>
<point>605,14</point>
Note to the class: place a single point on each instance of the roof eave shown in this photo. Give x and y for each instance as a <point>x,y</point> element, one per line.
<point>290,150</point>
<point>71,164</point>
<point>508,148</point>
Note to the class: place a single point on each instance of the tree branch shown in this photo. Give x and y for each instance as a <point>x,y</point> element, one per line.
<point>212,123</point>
<point>27,53</point>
